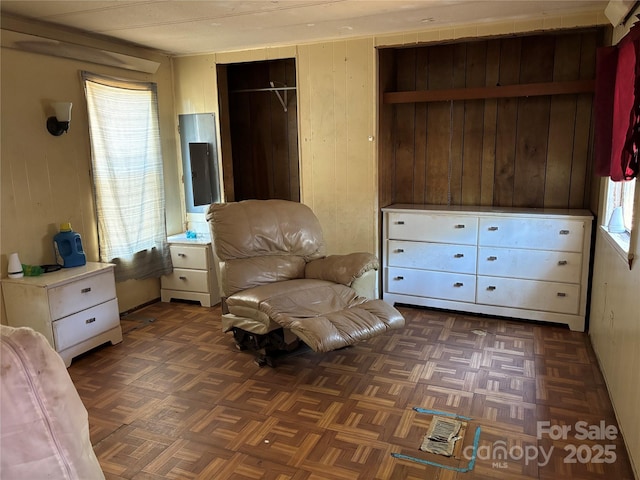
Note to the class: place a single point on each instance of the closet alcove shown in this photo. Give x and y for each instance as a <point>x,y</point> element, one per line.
<point>259,130</point>
<point>502,122</point>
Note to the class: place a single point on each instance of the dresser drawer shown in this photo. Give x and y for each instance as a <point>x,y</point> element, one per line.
<point>80,326</point>
<point>186,256</point>
<point>530,264</point>
<point>534,233</point>
<point>187,280</point>
<point>81,294</point>
<point>529,294</point>
<point>433,228</point>
<point>425,283</point>
<point>432,256</point>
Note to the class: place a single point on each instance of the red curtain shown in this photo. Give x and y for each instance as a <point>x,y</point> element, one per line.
<point>617,108</point>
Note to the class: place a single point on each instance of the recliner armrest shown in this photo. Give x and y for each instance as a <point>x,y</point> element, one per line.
<point>342,269</point>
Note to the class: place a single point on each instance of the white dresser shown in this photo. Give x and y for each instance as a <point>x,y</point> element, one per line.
<point>193,277</point>
<point>76,309</point>
<point>512,262</point>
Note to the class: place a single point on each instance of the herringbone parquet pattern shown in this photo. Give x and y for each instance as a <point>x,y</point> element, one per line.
<point>177,400</point>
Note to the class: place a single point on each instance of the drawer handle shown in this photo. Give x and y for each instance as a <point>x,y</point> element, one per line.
<point>400,222</point>
<point>85,290</point>
<point>460,225</point>
<point>458,284</point>
<point>399,250</point>
<point>562,262</point>
<point>458,255</point>
<point>182,277</point>
<point>491,288</point>
<point>564,232</point>
<point>90,320</point>
<point>180,254</point>
<point>562,294</point>
<point>492,229</point>
<point>492,258</point>
<point>398,278</point>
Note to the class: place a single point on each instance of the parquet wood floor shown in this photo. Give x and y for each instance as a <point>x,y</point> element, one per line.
<point>176,400</point>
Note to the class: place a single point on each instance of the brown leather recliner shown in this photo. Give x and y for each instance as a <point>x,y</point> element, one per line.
<point>277,284</point>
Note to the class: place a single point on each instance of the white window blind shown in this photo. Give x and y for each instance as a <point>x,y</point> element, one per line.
<point>127,176</point>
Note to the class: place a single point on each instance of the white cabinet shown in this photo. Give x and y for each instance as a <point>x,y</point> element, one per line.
<point>521,263</point>
<point>76,309</point>
<point>193,277</point>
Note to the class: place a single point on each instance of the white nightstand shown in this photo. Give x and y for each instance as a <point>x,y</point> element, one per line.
<point>193,276</point>
<point>76,309</point>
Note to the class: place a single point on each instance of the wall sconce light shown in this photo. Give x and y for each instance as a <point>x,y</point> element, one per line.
<point>60,123</point>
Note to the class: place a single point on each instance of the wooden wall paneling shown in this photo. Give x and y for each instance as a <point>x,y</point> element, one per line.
<point>404,142</point>
<point>240,127</point>
<point>582,177</point>
<point>487,175</point>
<point>530,150</point>
<point>279,143</point>
<point>438,126</point>
<point>254,163</point>
<point>531,143</point>
<point>500,91</point>
<point>321,168</point>
<point>421,133</point>
<point>507,122</point>
<point>240,108</point>
<point>292,132</point>
<point>340,101</point>
<point>533,123</point>
<point>386,132</point>
<point>260,115</point>
<point>226,148</point>
<point>560,152</point>
<point>473,125</point>
<point>320,87</point>
<point>304,102</point>
<point>562,125</point>
<point>357,201</point>
<point>459,78</point>
<point>264,136</point>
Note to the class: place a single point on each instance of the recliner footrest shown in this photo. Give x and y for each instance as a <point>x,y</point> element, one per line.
<point>344,327</point>
<point>325,315</point>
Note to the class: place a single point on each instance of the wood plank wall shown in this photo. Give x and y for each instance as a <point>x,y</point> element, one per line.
<point>264,137</point>
<point>522,152</point>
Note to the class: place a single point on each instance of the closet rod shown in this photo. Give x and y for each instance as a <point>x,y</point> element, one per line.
<point>270,89</point>
<point>283,101</point>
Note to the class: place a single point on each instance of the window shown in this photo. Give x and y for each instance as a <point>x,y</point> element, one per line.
<point>620,195</point>
<point>127,176</point>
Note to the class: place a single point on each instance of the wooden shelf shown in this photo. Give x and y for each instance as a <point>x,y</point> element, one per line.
<point>482,93</point>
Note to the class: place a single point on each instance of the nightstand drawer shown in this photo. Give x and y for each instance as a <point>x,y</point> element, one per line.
<point>185,256</point>
<point>80,326</point>
<point>187,280</point>
<point>81,294</point>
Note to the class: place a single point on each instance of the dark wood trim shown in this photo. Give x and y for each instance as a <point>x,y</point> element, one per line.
<point>138,307</point>
<point>481,93</point>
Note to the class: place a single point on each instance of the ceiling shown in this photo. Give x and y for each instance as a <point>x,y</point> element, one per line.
<point>182,27</point>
